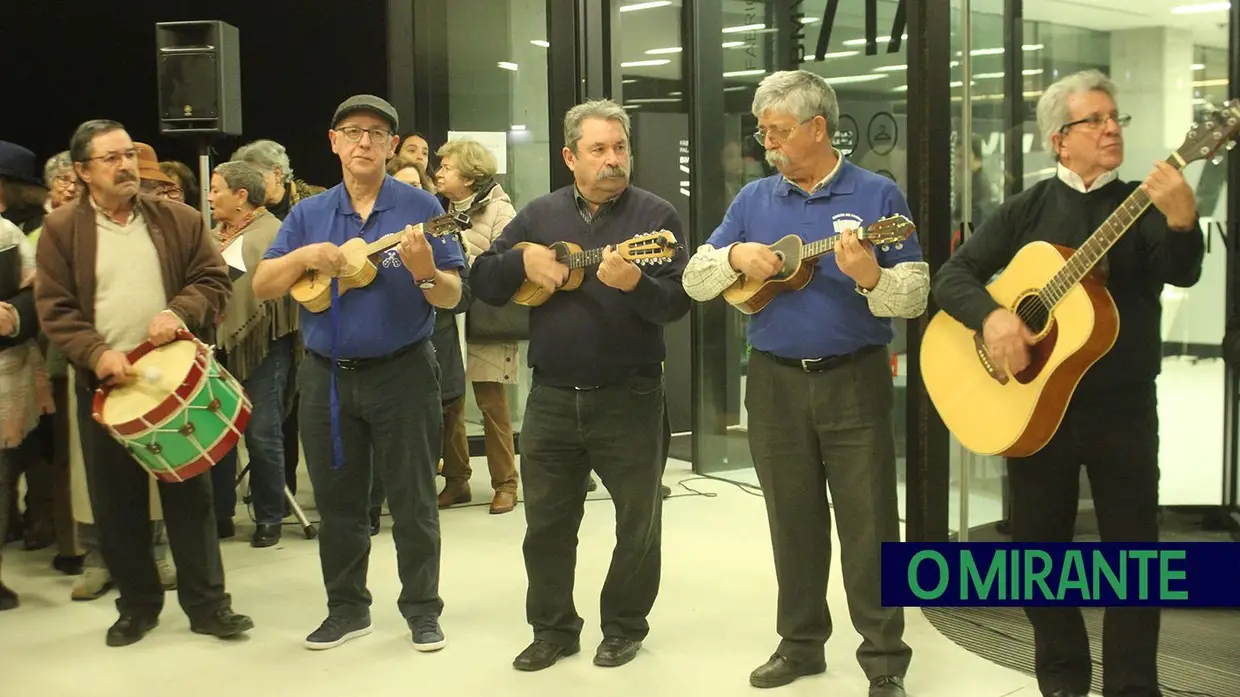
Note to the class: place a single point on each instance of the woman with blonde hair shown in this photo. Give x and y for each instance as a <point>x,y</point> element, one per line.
<point>466,181</point>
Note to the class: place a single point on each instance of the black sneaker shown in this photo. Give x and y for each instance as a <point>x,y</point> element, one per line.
<point>8,599</point>
<point>427,635</point>
<point>337,630</point>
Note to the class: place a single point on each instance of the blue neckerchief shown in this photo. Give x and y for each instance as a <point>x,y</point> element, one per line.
<point>337,439</point>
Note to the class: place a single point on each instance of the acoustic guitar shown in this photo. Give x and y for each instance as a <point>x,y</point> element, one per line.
<point>799,259</point>
<point>646,249</point>
<point>314,289</point>
<point>1067,308</point>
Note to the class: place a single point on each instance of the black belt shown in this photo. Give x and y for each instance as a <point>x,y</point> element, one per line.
<point>818,365</point>
<point>654,370</point>
<point>364,363</point>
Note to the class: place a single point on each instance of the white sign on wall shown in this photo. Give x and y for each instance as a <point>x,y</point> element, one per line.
<point>495,141</point>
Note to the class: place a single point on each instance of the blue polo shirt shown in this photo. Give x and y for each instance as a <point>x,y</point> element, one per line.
<point>828,317</point>
<point>391,312</point>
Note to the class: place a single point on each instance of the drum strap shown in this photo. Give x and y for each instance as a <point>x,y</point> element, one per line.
<point>337,439</point>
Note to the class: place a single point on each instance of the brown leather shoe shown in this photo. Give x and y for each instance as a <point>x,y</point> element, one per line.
<point>454,493</point>
<point>503,502</point>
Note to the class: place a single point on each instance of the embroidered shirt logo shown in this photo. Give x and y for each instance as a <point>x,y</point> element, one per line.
<point>845,221</point>
<point>391,259</point>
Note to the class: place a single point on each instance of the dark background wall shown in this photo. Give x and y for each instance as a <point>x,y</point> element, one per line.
<point>67,61</point>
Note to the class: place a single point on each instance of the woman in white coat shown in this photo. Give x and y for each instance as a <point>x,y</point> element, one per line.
<point>466,181</point>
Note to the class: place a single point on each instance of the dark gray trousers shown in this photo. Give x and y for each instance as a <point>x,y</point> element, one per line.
<point>810,432</point>
<point>390,409</point>
<point>617,432</point>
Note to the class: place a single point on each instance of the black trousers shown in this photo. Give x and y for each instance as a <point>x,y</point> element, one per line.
<point>390,414</point>
<point>810,433</point>
<point>121,501</point>
<point>616,431</point>
<point>1116,440</point>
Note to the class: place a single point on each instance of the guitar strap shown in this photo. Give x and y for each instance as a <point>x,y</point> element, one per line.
<point>337,438</point>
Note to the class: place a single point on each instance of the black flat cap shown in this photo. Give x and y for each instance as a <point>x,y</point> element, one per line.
<point>367,102</point>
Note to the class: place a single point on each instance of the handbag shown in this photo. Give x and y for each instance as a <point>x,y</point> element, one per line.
<point>487,323</point>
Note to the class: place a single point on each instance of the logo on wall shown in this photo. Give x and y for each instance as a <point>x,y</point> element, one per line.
<point>883,133</point>
<point>845,137</point>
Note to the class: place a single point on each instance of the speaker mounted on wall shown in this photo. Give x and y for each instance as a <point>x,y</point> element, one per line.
<point>199,69</point>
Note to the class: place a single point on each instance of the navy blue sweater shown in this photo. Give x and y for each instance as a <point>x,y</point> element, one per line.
<point>595,335</point>
<point>1148,256</point>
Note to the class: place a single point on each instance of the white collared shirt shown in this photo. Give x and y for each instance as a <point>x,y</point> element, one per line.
<point>1074,180</point>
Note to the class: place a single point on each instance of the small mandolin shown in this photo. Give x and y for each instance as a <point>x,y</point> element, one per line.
<point>314,289</point>
<point>750,295</point>
<point>650,248</point>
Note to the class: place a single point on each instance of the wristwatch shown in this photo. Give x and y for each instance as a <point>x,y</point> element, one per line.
<point>427,284</point>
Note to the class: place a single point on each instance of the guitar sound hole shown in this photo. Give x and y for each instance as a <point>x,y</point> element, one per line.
<point>1034,311</point>
<point>1037,316</point>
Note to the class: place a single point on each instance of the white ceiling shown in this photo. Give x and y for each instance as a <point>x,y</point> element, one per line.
<point>657,28</point>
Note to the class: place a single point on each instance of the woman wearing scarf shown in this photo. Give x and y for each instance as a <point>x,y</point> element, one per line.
<point>258,342</point>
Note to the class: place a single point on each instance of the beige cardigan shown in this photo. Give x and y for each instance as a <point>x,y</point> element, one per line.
<point>78,491</point>
<point>490,362</point>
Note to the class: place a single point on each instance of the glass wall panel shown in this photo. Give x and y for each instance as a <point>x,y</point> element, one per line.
<point>747,42</point>
<point>497,92</point>
<point>648,55</point>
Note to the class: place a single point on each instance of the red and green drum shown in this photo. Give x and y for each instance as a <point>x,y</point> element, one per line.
<point>182,412</point>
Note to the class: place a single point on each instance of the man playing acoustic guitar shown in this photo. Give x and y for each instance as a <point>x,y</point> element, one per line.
<point>597,395</point>
<point>1111,425</point>
<point>819,391</point>
<point>370,383</point>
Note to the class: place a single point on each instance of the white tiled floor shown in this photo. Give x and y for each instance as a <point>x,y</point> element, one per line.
<point>712,624</point>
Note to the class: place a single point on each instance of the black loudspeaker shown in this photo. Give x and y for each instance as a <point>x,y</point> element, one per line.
<point>199,68</point>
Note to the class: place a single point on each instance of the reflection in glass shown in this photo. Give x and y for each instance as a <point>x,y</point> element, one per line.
<point>497,72</point>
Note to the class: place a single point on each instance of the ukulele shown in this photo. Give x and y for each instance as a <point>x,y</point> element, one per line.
<point>799,259</point>
<point>314,289</point>
<point>650,248</point>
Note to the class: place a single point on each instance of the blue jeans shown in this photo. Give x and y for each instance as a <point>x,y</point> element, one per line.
<point>264,439</point>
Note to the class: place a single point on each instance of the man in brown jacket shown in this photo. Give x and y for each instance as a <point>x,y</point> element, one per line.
<point>117,268</point>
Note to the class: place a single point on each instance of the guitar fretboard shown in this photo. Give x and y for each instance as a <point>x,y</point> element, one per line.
<point>1096,247</point>
<point>588,258</point>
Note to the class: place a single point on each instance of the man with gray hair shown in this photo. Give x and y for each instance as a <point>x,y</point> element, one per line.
<point>283,189</point>
<point>1111,425</point>
<point>820,392</point>
<point>596,402</point>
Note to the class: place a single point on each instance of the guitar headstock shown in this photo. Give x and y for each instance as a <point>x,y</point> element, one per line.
<point>447,224</point>
<point>893,229</point>
<point>1215,131</point>
<point>649,248</point>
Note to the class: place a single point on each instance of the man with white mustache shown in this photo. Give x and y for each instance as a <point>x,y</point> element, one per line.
<point>819,391</point>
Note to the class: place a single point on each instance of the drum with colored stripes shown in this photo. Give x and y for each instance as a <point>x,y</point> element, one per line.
<point>181,411</point>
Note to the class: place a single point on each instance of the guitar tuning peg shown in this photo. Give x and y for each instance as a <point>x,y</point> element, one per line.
<point>1231,145</point>
<point>1217,159</point>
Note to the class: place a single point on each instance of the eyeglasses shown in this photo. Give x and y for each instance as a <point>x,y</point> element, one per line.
<point>353,134</point>
<point>65,181</point>
<point>113,159</point>
<point>1097,121</point>
<point>777,135</point>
